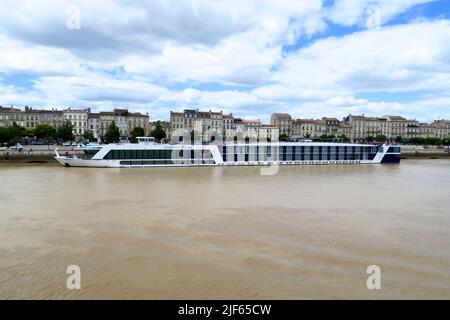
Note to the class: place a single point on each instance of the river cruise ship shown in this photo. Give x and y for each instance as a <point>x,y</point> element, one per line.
<point>147,153</point>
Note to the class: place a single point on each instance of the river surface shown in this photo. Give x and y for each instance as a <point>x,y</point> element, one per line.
<point>229,233</point>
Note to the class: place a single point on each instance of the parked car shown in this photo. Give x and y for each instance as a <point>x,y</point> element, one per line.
<point>37,143</point>
<point>17,147</point>
<point>67,144</point>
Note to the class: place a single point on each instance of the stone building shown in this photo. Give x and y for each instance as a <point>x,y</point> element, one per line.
<point>283,121</point>
<point>78,118</point>
<point>308,129</point>
<point>124,120</point>
<point>9,115</point>
<point>201,121</point>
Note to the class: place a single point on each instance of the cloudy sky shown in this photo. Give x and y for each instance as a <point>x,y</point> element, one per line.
<point>311,58</point>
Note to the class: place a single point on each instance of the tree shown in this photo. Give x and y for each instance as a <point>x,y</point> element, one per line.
<point>434,141</point>
<point>307,135</point>
<point>159,134</point>
<point>112,134</point>
<point>5,134</point>
<point>135,133</point>
<point>45,132</point>
<point>283,137</point>
<point>381,138</point>
<point>417,140</point>
<point>446,142</point>
<point>88,135</point>
<point>12,134</point>
<point>65,132</point>
<point>344,138</point>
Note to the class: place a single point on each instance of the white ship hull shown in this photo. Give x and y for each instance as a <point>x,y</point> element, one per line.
<point>145,155</point>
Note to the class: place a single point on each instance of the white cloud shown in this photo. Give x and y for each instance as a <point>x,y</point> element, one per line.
<point>16,56</point>
<point>131,53</point>
<point>400,58</point>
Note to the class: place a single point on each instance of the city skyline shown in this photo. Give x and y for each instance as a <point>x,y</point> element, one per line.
<point>352,127</point>
<point>309,59</point>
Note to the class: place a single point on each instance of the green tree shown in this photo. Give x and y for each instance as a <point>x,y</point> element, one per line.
<point>65,132</point>
<point>307,136</point>
<point>4,134</point>
<point>381,138</point>
<point>283,137</point>
<point>344,138</point>
<point>399,139</point>
<point>88,135</point>
<point>446,142</point>
<point>417,140</point>
<point>159,134</point>
<point>45,132</point>
<point>12,134</point>
<point>434,141</point>
<point>112,134</point>
<point>135,133</point>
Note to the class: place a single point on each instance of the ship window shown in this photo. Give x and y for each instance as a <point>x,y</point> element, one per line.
<point>394,150</point>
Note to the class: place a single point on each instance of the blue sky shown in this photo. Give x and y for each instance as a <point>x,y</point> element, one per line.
<point>310,58</point>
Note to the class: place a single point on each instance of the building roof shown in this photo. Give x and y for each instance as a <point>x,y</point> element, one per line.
<point>394,118</point>
<point>250,120</point>
<point>300,121</point>
<point>9,109</point>
<point>280,114</point>
<point>363,117</point>
<point>121,112</point>
<point>74,110</point>
<point>53,111</point>
<point>138,114</point>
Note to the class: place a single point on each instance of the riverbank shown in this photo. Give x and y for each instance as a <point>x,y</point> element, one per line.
<point>414,152</point>
<point>32,156</point>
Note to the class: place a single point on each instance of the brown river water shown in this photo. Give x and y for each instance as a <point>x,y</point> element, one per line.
<point>226,233</point>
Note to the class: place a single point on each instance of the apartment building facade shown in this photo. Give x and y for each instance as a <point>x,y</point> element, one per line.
<point>213,123</point>
<point>78,118</point>
<point>124,120</point>
<point>9,115</point>
<point>283,121</point>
